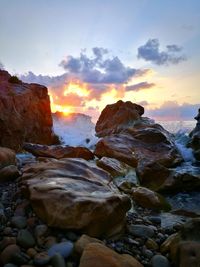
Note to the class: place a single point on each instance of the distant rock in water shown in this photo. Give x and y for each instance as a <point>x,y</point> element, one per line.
<point>195,138</point>
<point>25,114</point>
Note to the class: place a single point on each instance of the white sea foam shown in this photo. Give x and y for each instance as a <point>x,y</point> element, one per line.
<point>75,130</point>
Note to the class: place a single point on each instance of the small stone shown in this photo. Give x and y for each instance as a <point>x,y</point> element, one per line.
<point>57,260</point>
<point>19,222</point>
<point>7,254</point>
<point>31,252</point>
<point>7,231</point>
<point>40,232</point>
<point>147,253</point>
<point>151,244</point>
<point>141,230</point>
<point>7,241</point>
<point>50,241</point>
<point>83,241</point>
<point>41,259</point>
<point>20,258</point>
<point>25,239</point>
<point>154,219</point>
<point>10,265</point>
<point>64,248</point>
<point>160,261</point>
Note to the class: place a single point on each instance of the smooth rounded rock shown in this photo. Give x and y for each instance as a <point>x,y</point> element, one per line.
<point>141,230</point>
<point>57,260</point>
<point>63,248</point>
<point>160,261</point>
<point>7,254</point>
<point>19,222</point>
<point>41,259</point>
<point>25,239</point>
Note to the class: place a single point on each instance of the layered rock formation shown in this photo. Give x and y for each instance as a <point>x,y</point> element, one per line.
<point>195,138</point>
<point>136,141</point>
<point>75,194</point>
<point>25,114</point>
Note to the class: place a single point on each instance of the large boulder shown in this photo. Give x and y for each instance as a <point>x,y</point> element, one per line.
<point>116,116</point>
<point>8,168</point>
<point>195,138</point>
<point>25,114</point>
<point>138,142</point>
<point>59,151</point>
<point>75,194</point>
<point>185,248</point>
<point>98,255</point>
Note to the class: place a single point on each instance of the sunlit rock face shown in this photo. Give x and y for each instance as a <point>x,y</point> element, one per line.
<point>75,194</point>
<point>137,141</point>
<point>195,138</point>
<point>25,114</point>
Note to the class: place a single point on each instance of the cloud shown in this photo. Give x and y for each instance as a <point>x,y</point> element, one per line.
<point>171,110</point>
<point>99,69</point>
<point>139,86</point>
<point>151,52</point>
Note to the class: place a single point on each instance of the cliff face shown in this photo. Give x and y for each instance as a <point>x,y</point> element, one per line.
<point>25,114</point>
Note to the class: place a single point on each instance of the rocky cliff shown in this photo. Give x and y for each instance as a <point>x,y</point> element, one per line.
<point>25,114</point>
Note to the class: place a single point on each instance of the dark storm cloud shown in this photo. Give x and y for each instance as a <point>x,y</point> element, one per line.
<point>173,110</point>
<point>98,69</point>
<point>151,52</point>
<point>139,86</point>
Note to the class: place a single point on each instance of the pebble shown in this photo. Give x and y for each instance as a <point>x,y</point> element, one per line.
<point>20,258</point>
<point>154,219</point>
<point>58,261</point>
<point>10,265</point>
<point>64,248</point>
<point>160,261</point>
<point>19,222</point>
<point>141,230</point>
<point>7,254</point>
<point>25,239</point>
<point>41,259</point>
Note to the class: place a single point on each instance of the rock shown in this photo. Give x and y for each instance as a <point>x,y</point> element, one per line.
<point>99,255</point>
<point>41,259</point>
<point>25,239</point>
<point>195,138</point>
<point>40,233</point>
<point>10,265</point>
<point>160,261</point>
<point>20,258</point>
<point>25,113</point>
<point>113,166</point>
<point>8,169</point>
<point>140,230</point>
<point>185,249</point>
<point>58,151</point>
<point>117,115</point>
<point>7,254</point>
<point>147,253</point>
<point>79,192</point>
<point>138,142</point>
<point>50,241</point>
<point>31,252</point>
<point>151,244</point>
<point>57,261</point>
<point>83,241</point>
<point>149,199</point>
<point>128,182</point>
<point>6,241</point>
<point>19,222</point>
<point>63,248</point>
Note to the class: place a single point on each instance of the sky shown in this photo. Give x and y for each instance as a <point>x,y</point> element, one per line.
<point>90,53</point>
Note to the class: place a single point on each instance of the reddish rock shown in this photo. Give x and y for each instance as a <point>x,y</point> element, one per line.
<point>116,116</point>
<point>98,255</point>
<point>58,151</point>
<point>7,254</point>
<point>25,114</point>
<point>75,194</point>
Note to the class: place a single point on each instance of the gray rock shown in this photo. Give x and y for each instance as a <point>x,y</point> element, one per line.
<point>63,248</point>
<point>141,230</point>
<point>154,219</point>
<point>25,239</point>
<point>160,261</point>
<point>19,222</point>
<point>57,260</point>
<point>147,253</point>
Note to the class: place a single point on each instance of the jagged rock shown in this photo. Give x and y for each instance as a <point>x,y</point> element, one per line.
<point>98,255</point>
<point>113,166</point>
<point>75,194</point>
<point>116,116</point>
<point>195,138</point>
<point>25,114</point>
<point>58,151</point>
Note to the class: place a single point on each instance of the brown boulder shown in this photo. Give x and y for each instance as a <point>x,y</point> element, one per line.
<point>25,114</point>
<point>113,166</point>
<point>195,138</point>
<point>83,241</point>
<point>99,255</point>
<point>117,116</point>
<point>59,151</point>
<point>149,199</point>
<point>75,194</point>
